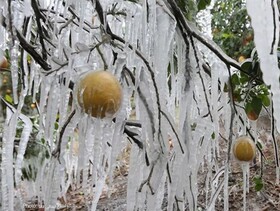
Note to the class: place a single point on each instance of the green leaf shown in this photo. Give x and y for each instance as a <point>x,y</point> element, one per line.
<point>193,126</point>
<point>265,100</point>
<point>226,87</point>
<point>247,65</point>
<point>9,99</point>
<point>237,96</point>
<point>258,183</point>
<point>259,144</point>
<point>226,35</point>
<point>56,125</point>
<point>202,4</point>
<point>213,135</point>
<point>244,78</point>
<point>253,108</point>
<point>235,79</point>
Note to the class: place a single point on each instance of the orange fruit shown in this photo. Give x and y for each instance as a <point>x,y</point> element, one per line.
<point>241,59</point>
<point>244,149</point>
<point>99,94</point>
<point>4,63</point>
<point>33,105</point>
<point>252,115</point>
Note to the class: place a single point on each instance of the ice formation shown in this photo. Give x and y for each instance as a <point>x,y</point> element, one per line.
<point>162,70</point>
<point>266,29</point>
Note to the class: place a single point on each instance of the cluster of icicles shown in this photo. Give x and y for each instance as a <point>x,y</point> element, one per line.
<point>174,100</point>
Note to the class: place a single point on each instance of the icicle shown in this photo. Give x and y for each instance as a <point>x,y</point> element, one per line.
<point>51,111</point>
<point>245,170</point>
<point>134,177</point>
<point>117,144</point>
<point>18,15</point>
<point>14,71</point>
<point>226,193</point>
<point>36,81</point>
<point>54,175</point>
<point>161,52</point>
<point>266,37</point>
<point>22,146</point>
<point>27,9</point>
<point>7,173</point>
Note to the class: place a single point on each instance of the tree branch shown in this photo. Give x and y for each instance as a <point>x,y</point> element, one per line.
<point>30,49</point>
<point>184,27</point>
<point>56,152</point>
<point>100,13</point>
<point>39,30</point>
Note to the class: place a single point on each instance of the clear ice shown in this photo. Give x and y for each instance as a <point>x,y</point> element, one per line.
<point>161,70</point>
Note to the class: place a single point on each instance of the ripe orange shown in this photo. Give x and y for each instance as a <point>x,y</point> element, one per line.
<point>4,63</point>
<point>99,94</point>
<point>244,149</point>
<point>252,115</point>
<point>241,59</point>
<point>33,105</point>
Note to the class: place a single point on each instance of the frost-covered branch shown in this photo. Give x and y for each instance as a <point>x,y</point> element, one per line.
<point>274,27</point>
<point>56,152</point>
<point>10,21</point>
<point>31,50</point>
<point>28,47</point>
<point>275,145</point>
<point>205,95</point>
<point>147,181</point>
<point>35,7</point>
<point>235,112</point>
<point>99,10</point>
<point>186,28</point>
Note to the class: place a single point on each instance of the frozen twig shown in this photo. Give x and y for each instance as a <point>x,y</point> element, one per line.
<point>186,28</point>
<point>174,131</point>
<point>232,114</point>
<point>275,145</point>
<point>274,26</point>
<point>205,95</point>
<point>132,134</point>
<point>99,10</point>
<point>10,21</point>
<point>31,50</point>
<point>102,57</point>
<point>168,173</point>
<point>236,112</point>
<point>56,152</point>
<point>147,181</point>
<point>35,7</point>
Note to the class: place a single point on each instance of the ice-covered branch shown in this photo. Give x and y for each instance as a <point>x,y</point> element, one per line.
<point>31,50</point>
<point>10,21</point>
<point>28,47</point>
<point>39,29</point>
<point>56,152</point>
<point>274,27</point>
<point>206,97</point>
<point>186,29</point>
<point>99,10</point>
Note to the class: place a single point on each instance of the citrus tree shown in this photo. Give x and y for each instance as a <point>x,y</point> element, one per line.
<point>101,75</point>
<point>232,29</point>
